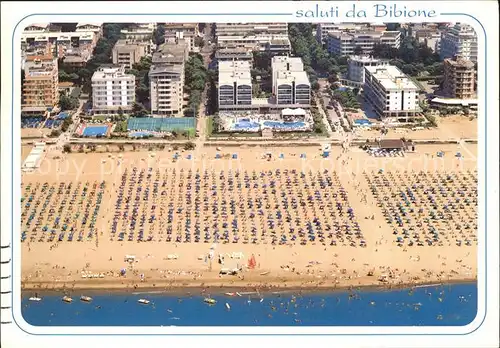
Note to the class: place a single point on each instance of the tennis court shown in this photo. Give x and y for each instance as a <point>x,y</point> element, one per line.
<point>161,124</point>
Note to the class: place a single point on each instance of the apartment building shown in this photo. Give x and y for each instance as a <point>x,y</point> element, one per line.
<point>166,77</point>
<point>75,60</point>
<point>356,69</point>
<point>235,85</point>
<point>112,90</point>
<point>460,41</point>
<point>90,27</point>
<point>274,44</point>
<point>40,86</point>
<point>291,86</point>
<point>187,31</point>
<point>57,42</point>
<point>391,93</point>
<point>129,52</point>
<point>36,28</point>
<point>459,79</point>
<point>175,53</point>
<point>234,53</point>
<point>322,29</point>
<point>430,38</point>
<point>250,29</point>
<point>139,31</point>
<point>347,43</point>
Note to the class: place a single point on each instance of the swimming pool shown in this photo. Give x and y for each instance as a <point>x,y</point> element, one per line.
<point>244,124</point>
<point>284,125</point>
<point>95,130</point>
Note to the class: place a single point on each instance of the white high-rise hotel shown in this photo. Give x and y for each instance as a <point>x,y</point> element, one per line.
<point>391,93</point>
<point>291,84</point>
<point>235,85</point>
<point>112,90</point>
<point>460,41</point>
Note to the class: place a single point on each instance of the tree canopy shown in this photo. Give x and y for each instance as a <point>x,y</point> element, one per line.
<point>100,55</point>
<point>67,102</point>
<point>412,57</point>
<point>196,77</point>
<point>315,58</point>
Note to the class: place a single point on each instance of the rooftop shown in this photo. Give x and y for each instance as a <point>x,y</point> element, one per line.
<point>162,69</point>
<point>239,76</point>
<point>92,24</point>
<point>256,37</point>
<point>111,71</point>
<point>372,33</point>
<point>235,71</point>
<point>460,63</point>
<point>66,84</point>
<point>391,77</point>
<point>364,59</point>
<point>234,65</point>
<point>455,101</point>
<point>289,76</point>
<point>38,57</point>
<point>176,49</point>
<point>38,25</point>
<point>74,59</point>
<point>180,25</point>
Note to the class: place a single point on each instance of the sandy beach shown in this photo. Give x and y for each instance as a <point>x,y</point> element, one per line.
<point>349,248</point>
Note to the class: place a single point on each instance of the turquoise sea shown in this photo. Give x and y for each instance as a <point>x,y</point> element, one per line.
<point>435,305</point>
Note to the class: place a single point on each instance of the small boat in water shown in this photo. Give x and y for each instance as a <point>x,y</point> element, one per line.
<point>86,298</point>
<point>35,298</point>
<point>143,301</point>
<point>67,299</point>
<point>230,294</point>
<point>210,301</point>
<point>228,306</point>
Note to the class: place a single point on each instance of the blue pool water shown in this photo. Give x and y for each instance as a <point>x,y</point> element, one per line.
<point>95,130</point>
<point>244,124</point>
<point>446,305</point>
<point>279,124</point>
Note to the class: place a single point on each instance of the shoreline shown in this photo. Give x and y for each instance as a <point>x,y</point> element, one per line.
<point>196,289</point>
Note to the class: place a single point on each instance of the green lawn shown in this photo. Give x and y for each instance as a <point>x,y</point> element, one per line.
<point>101,117</point>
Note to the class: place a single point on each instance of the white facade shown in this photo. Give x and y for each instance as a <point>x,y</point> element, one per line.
<point>460,41</point>
<point>139,31</point>
<point>128,52</point>
<point>235,84</point>
<point>391,93</point>
<point>112,89</point>
<point>346,43</point>
<point>245,29</point>
<point>291,84</point>
<point>166,77</point>
<point>322,29</point>
<point>187,31</point>
<point>166,88</point>
<point>357,64</point>
<point>94,27</point>
<point>275,44</point>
